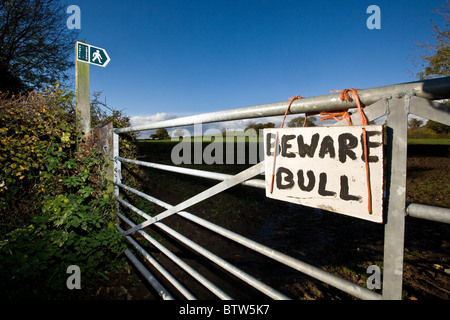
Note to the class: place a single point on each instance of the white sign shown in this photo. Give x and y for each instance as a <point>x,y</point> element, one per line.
<point>324,167</point>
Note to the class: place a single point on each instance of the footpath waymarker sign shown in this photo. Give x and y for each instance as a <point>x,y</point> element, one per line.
<point>91,54</point>
<point>85,55</point>
<point>325,168</point>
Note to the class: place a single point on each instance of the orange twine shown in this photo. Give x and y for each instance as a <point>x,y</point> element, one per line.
<point>346,97</point>
<point>276,139</point>
<point>337,115</point>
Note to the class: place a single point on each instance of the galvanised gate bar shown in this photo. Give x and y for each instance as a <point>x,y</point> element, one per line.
<point>395,102</point>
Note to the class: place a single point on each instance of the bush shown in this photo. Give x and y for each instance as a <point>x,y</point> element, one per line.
<point>54,211</point>
<point>438,128</point>
<point>70,231</point>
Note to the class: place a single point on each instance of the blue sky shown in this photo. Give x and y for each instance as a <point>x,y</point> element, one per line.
<point>175,58</point>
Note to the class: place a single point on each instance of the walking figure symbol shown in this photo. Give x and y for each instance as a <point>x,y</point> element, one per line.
<point>97,56</point>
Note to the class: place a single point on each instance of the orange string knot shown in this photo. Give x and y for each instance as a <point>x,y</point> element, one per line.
<point>289,107</point>
<point>345,97</point>
<point>336,115</point>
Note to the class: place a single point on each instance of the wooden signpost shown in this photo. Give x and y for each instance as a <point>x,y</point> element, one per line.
<point>85,55</point>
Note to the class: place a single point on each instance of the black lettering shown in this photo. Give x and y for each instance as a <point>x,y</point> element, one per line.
<point>301,180</point>
<point>370,144</point>
<point>289,178</point>
<point>347,141</point>
<point>323,184</point>
<point>327,146</point>
<point>344,195</point>
<point>285,146</point>
<point>305,149</point>
<point>270,138</point>
<point>269,144</point>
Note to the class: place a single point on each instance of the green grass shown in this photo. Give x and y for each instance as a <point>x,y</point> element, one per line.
<point>428,141</point>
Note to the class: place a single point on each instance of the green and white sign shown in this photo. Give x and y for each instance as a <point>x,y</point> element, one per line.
<point>93,55</point>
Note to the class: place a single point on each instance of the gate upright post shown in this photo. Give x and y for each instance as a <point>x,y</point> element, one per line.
<point>117,164</point>
<point>397,126</point>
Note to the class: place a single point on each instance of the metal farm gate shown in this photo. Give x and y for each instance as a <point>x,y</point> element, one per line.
<point>395,102</point>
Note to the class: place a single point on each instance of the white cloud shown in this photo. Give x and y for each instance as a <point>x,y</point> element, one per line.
<point>140,120</point>
<point>160,116</point>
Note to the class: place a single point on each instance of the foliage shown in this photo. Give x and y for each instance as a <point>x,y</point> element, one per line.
<point>99,116</point>
<point>72,230</point>
<point>259,126</point>
<point>54,211</point>
<point>35,44</point>
<point>37,138</point>
<point>127,142</point>
<point>437,127</point>
<point>436,62</point>
<point>161,134</point>
<point>298,122</point>
<point>414,123</point>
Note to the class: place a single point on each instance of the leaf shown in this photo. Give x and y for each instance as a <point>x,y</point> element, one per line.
<point>438,266</point>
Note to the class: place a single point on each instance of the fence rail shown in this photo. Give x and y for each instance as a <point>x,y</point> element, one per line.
<point>434,89</point>
<point>395,102</point>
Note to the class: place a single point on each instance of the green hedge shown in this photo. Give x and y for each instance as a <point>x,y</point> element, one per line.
<point>54,211</point>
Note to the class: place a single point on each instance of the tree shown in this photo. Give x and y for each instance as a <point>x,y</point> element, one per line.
<point>414,123</point>
<point>35,44</point>
<point>298,122</point>
<point>437,62</point>
<point>437,127</point>
<point>179,133</point>
<point>259,126</point>
<point>160,134</point>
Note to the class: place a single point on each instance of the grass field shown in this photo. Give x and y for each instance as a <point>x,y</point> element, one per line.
<point>429,141</point>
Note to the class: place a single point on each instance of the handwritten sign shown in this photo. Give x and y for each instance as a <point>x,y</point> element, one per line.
<point>325,168</point>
